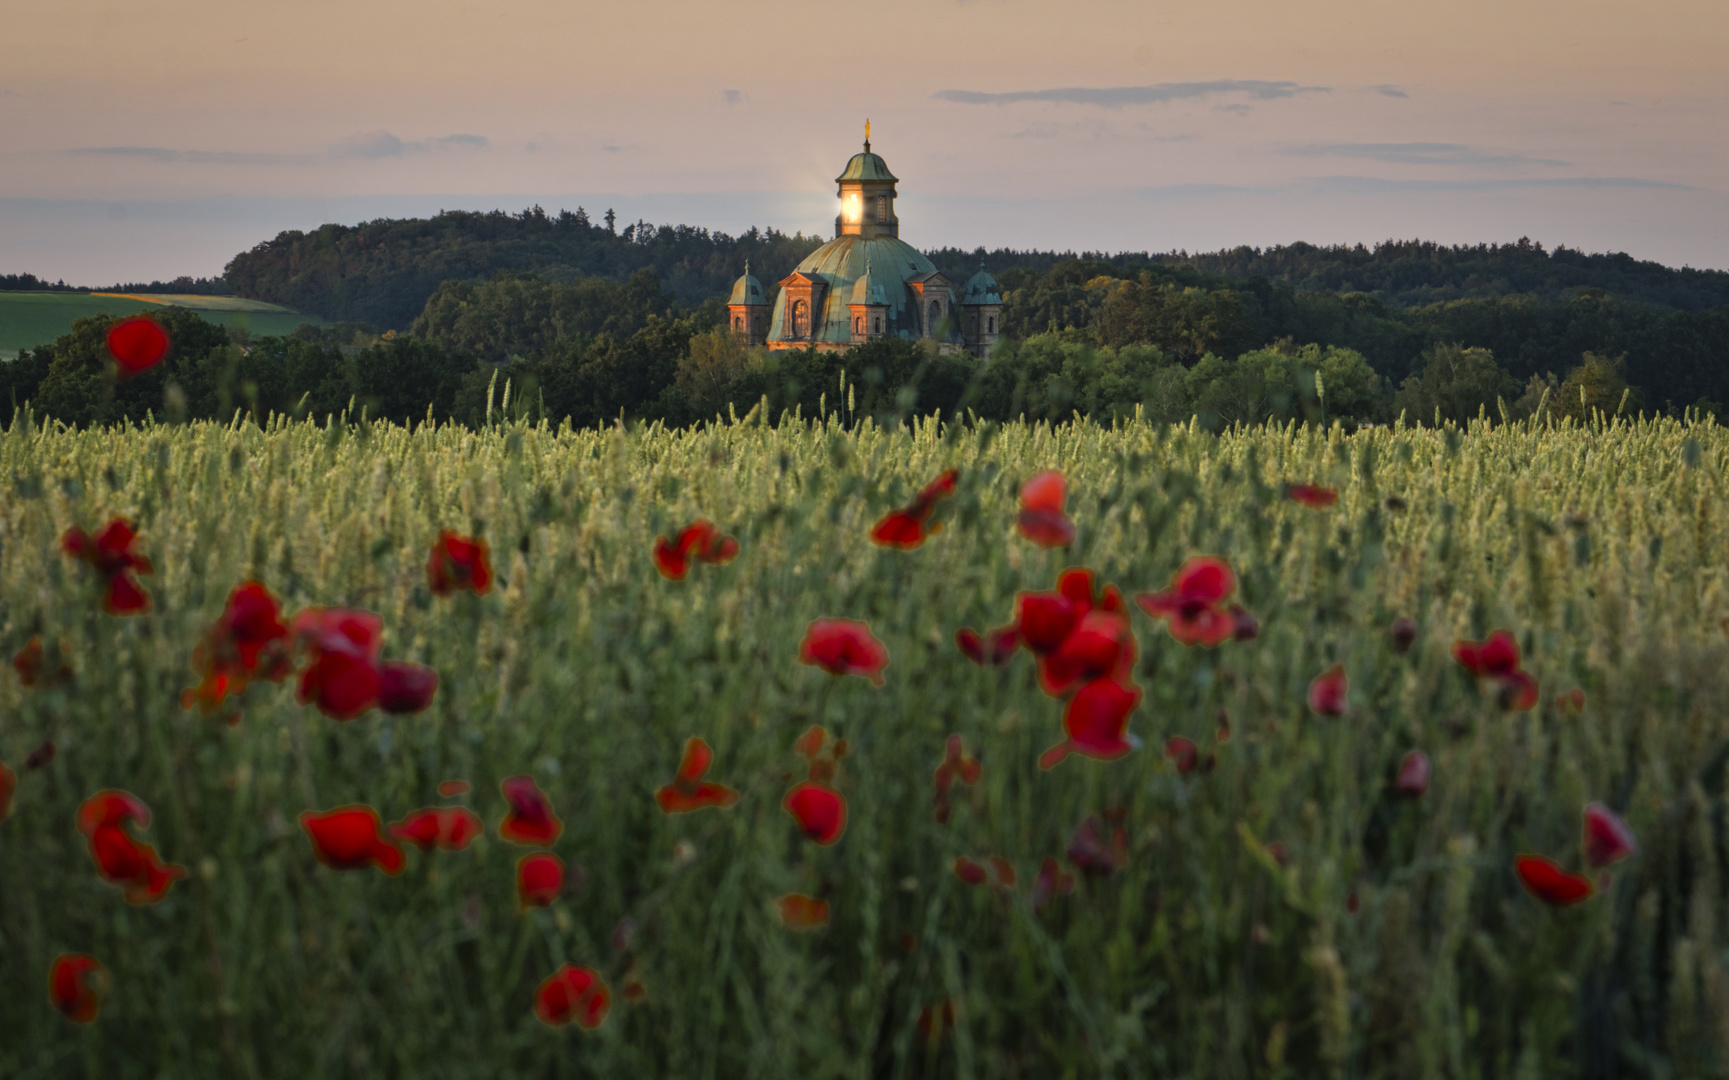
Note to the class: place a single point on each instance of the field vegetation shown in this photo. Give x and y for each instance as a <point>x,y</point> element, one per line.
<point>1274,897</point>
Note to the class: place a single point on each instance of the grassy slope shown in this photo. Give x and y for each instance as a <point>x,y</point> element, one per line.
<point>1202,958</point>
<point>31,319</point>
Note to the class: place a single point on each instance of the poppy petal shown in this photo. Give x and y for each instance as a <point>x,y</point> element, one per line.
<point>819,810</point>
<point>1551,884</point>
<point>573,994</point>
<point>1607,838</point>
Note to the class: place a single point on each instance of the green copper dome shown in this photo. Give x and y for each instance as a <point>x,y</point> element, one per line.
<point>882,264</point>
<point>866,166</point>
<point>748,290</point>
<point>869,289</point>
<point>982,289</point>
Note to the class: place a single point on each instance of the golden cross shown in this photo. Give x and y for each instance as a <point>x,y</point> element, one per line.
<point>867,131</point>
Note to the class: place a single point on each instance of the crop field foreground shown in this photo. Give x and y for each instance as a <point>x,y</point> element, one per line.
<point>1280,898</point>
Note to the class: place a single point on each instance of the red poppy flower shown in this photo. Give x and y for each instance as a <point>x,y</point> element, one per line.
<point>348,838</point>
<point>1313,495</point>
<point>910,526</point>
<point>1496,658</point>
<point>1413,778</point>
<point>1101,645</point>
<point>450,828</point>
<point>1244,626</point>
<point>450,789</point>
<point>1184,754</point>
<point>968,871</point>
<point>1095,721</point>
<point>531,820</point>
<point>111,808</point>
<point>1194,604</point>
<point>459,562</point>
<point>8,785</point>
<point>121,860</point>
<point>1551,884</point>
<point>405,688</point>
<point>1607,837</point>
<point>248,640</point>
<point>36,669</point>
<point>688,790</point>
<point>810,744</point>
<point>110,552</point>
<point>1518,692</point>
<point>572,993</point>
<point>1404,634</point>
<point>957,764</point>
<point>802,912</point>
<point>844,647</point>
<point>76,986</point>
<point>1093,854</point>
<point>1327,692</point>
<point>1051,882</point>
<point>1041,518</point>
<point>699,540</point>
<point>137,345</point>
<point>539,880</point>
<point>819,810</point>
<point>1046,619</point>
<point>343,679</point>
<point>993,647</point>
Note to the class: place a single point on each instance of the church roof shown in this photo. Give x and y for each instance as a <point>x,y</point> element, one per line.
<point>869,289</point>
<point>866,166</point>
<point>889,262</point>
<point>748,290</point>
<point>982,289</point>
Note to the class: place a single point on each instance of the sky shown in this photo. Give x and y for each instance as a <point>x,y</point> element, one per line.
<point>149,140</point>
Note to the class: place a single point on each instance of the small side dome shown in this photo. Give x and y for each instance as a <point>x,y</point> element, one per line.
<point>869,289</point>
<point>748,290</point>
<point>982,289</point>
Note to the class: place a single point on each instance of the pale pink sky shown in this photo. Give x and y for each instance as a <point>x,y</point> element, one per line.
<point>146,140</point>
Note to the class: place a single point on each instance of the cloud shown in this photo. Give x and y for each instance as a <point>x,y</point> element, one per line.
<point>1239,108</point>
<point>1390,90</point>
<point>735,97</point>
<point>1372,185</point>
<point>1113,97</point>
<point>1418,153</point>
<point>196,157</point>
<point>373,145</point>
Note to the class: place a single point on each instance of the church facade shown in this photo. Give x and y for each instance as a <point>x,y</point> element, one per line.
<point>867,283</point>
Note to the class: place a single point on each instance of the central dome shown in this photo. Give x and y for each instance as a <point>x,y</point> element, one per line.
<point>893,263</point>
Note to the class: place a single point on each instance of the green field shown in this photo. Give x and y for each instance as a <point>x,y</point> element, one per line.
<point>1380,937</point>
<point>29,319</point>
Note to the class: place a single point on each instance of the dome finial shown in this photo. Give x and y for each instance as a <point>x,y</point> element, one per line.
<point>867,135</point>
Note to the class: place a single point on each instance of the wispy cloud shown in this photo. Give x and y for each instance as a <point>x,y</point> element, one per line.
<point>735,97</point>
<point>1113,97</point>
<point>1372,185</point>
<point>1419,153</point>
<point>196,157</point>
<point>1390,90</point>
<point>373,145</point>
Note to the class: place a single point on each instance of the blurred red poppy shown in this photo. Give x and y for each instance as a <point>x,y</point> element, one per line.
<point>1607,838</point>
<point>810,744</point>
<point>994,647</point>
<point>844,647</point>
<point>1041,518</point>
<point>1404,634</point>
<point>531,820</point>
<point>802,912</point>
<point>1002,872</point>
<point>137,345</point>
<point>573,993</point>
<point>1312,495</point>
<point>1183,753</point>
<point>1518,692</point>
<point>248,641</point>
<point>968,871</point>
<point>1571,701</point>
<point>1094,854</point>
<point>405,688</point>
<point>459,562</point>
<point>1244,626</point>
<point>1101,645</point>
<point>539,880</point>
<point>449,828</point>
<point>343,679</point>
<point>1095,721</point>
<point>1327,693</point>
<point>957,764</point>
<point>910,526</point>
<point>450,789</point>
<point>110,808</point>
<point>1193,606</point>
<point>1413,777</point>
<point>349,838</point>
<point>120,859</point>
<point>36,669</point>
<point>1052,881</point>
<point>1549,883</point>
<point>819,810</point>
<point>8,785</point>
<point>110,552</point>
<point>699,540</point>
<point>688,790</point>
<point>76,986</point>
<point>1495,662</point>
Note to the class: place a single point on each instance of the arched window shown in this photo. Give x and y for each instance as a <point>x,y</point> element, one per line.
<point>800,319</point>
<point>858,325</point>
<point>992,323</point>
<point>878,323</point>
<point>883,209</point>
<point>936,313</point>
<point>738,322</point>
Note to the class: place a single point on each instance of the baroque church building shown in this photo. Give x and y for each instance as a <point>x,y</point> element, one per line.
<point>867,283</point>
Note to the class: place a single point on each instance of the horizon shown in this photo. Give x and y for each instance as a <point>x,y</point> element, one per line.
<point>152,145</point>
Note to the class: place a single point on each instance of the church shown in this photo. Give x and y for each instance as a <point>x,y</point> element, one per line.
<point>867,283</point>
